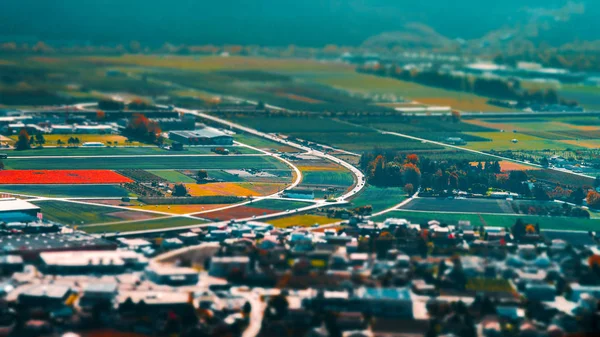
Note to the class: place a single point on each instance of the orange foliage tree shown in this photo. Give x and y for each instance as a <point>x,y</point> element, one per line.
<point>593,199</point>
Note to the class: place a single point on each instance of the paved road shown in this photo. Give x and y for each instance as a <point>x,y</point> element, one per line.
<point>358,175</point>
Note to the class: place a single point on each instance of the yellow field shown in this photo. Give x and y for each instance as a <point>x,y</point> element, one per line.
<point>320,168</point>
<point>306,220</point>
<point>215,63</point>
<point>587,143</point>
<point>52,139</point>
<point>468,103</point>
<point>502,141</point>
<point>234,189</point>
<point>179,209</point>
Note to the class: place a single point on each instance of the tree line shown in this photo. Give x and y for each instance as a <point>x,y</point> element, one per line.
<point>489,87</point>
<point>442,177</point>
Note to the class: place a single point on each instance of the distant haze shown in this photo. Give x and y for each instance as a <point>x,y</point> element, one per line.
<point>280,22</point>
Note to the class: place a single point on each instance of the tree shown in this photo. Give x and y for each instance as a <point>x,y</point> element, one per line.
<point>455,116</point>
<point>108,104</point>
<point>60,143</point>
<point>23,141</point>
<point>412,158</point>
<point>1,165</point>
<point>100,115</point>
<point>544,162</point>
<point>202,174</point>
<point>411,174</point>
<point>39,139</point>
<point>593,199</point>
<point>409,189</point>
<point>31,141</point>
<point>179,190</point>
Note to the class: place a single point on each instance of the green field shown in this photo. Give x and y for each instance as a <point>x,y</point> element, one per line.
<point>217,162</point>
<point>173,176</point>
<point>262,143</point>
<point>68,191</point>
<point>379,198</point>
<point>328,178</point>
<point>333,133</point>
<point>495,220</point>
<point>278,205</point>
<point>502,141</point>
<point>70,213</point>
<point>144,225</point>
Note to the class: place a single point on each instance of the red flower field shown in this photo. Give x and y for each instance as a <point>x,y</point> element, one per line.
<point>61,177</point>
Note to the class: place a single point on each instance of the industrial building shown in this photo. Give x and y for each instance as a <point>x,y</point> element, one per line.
<point>29,246</point>
<point>91,262</point>
<point>205,136</point>
<point>297,193</point>
<point>17,210</point>
<point>173,276</point>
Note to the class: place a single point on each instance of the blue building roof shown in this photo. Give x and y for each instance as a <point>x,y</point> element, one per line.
<point>384,293</point>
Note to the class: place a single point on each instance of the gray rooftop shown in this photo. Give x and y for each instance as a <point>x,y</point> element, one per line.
<point>201,133</point>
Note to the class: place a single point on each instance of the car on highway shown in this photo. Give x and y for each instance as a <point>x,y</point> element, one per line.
<point>3,156</point>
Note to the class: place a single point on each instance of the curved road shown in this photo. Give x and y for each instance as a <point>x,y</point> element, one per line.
<point>358,175</point>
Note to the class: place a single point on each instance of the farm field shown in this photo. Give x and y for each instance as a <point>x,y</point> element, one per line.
<point>220,162</point>
<point>495,220</point>
<point>53,139</point>
<point>121,150</point>
<point>380,198</point>
<point>459,205</point>
<point>352,137</point>
<point>173,176</point>
<point>305,220</point>
<point>166,222</point>
<point>328,178</point>
<point>371,84</point>
<point>68,191</point>
<point>234,189</point>
<point>82,214</point>
<point>262,143</point>
<point>180,209</point>
<point>279,205</point>
<point>61,177</point>
<point>502,141</point>
<point>587,96</point>
<point>237,213</point>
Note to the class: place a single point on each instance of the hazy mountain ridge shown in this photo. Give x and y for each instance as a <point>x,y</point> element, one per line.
<point>283,22</point>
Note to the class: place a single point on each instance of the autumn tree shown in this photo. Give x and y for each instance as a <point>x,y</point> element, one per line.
<point>140,127</point>
<point>409,189</point>
<point>100,115</point>
<point>23,141</point>
<point>593,199</point>
<point>455,116</point>
<point>411,174</point>
<point>412,158</point>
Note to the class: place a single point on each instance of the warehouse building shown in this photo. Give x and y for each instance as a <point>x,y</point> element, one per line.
<point>91,262</point>
<point>17,210</point>
<point>205,136</point>
<point>29,246</point>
